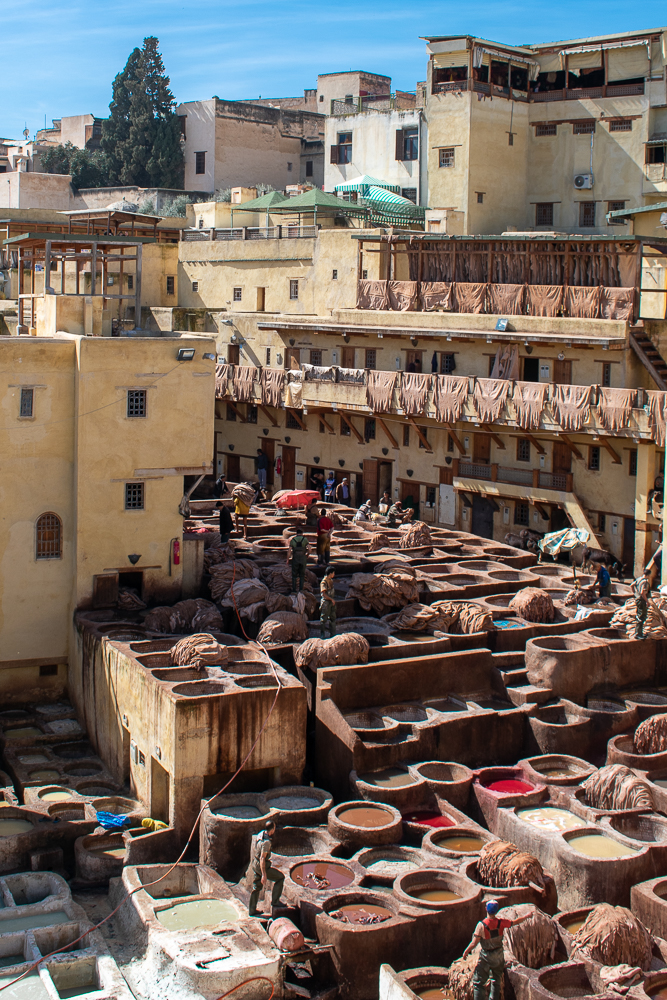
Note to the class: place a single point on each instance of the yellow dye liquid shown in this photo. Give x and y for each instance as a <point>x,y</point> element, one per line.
<point>436,895</point>
<point>390,777</point>
<point>22,734</point>
<point>575,925</point>
<point>10,827</point>
<point>441,992</point>
<point>109,852</point>
<point>198,913</point>
<point>54,796</point>
<point>551,818</point>
<point>466,845</point>
<point>597,846</point>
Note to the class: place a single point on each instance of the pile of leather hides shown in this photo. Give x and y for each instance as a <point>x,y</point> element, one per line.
<point>418,618</point>
<point>655,625</point>
<point>379,540</point>
<point>245,493</point>
<point>461,974</point>
<point>129,600</point>
<point>199,650</point>
<point>349,648</point>
<point>617,787</point>
<point>222,575</point>
<point>501,865</point>
<point>303,603</point>
<point>533,604</point>
<point>613,935</point>
<point>393,588</point>
<point>651,735</point>
<point>282,626</point>
<point>415,535</point>
<point>194,615</point>
<point>279,578</point>
<point>248,597</point>
<point>533,942</point>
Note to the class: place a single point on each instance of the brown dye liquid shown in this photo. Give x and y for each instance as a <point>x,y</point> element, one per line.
<point>22,734</point>
<point>108,852</point>
<point>436,895</point>
<point>389,777</point>
<point>659,994</point>
<point>575,925</point>
<point>596,846</point>
<point>314,875</point>
<point>10,827</point>
<point>442,992</point>
<point>368,816</point>
<point>44,776</point>
<point>466,845</point>
<point>356,913</point>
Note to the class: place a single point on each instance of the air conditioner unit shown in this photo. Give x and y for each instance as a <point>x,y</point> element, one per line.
<point>582,181</point>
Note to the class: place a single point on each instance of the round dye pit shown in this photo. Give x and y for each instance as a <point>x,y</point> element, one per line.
<point>24,733</point>
<point>238,812</point>
<point>551,818</point>
<point>441,992</point>
<point>436,895</point>
<point>365,816</point>
<point>461,843</point>
<point>388,777</point>
<point>322,875</point>
<point>289,803</point>
<point>107,852</point>
<point>55,795</point>
<point>48,776</point>
<point>362,913</point>
<point>574,925</point>
<point>11,827</point>
<point>659,993</point>
<point>197,913</point>
<point>510,786</point>
<point>432,819</point>
<point>596,845</point>
<point>391,866</point>
<point>33,758</point>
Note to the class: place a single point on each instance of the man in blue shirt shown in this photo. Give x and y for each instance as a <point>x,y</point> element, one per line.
<point>603,581</point>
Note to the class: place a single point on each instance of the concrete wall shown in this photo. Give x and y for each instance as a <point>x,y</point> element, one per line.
<point>336,86</point>
<point>33,190</point>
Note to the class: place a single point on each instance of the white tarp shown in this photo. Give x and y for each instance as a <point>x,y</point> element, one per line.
<point>563,541</point>
<point>626,64</point>
<point>447,505</point>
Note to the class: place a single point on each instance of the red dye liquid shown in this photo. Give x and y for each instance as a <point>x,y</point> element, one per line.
<point>429,819</point>
<point>510,786</point>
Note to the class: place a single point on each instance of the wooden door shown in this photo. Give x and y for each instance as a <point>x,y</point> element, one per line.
<point>562,372</point>
<point>482,517</point>
<point>289,461</point>
<point>233,354</point>
<point>347,357</point>
<point>233,470</point>
<point>481,449</point>
<point>292,358</point>
<point>562,458</point>
<point>413,361</point>
<point>370,490</point>
<point>268,447</point>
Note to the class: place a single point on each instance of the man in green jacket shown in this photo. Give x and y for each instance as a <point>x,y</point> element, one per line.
<point>298,554</point>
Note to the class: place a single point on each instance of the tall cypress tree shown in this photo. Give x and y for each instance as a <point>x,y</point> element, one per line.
<point>142,136</point>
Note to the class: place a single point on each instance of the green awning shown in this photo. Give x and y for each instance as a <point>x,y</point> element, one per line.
<point>384,197</point>
<point>266,201</point>
<point>319,202</point>
<point>363,183</point>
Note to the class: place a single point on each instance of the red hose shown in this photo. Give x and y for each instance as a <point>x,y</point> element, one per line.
<point>254,979</point>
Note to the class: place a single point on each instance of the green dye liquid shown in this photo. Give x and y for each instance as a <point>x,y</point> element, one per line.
<point>11,925</point>
<point>198,913</point>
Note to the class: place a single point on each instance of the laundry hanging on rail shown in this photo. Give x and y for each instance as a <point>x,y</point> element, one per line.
<point>505,300</point>
<point>544,300</point>
<point>617,303</point>
<point>436,295</point>
<point>403,295</point>
<point>657,415</point>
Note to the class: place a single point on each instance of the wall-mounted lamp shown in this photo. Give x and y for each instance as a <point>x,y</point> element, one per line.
<point>410,472</point>
<point>134,558</point>
<point>361,465</point>
<point>227,322</point>
<point>385,451</point>
<point>380,335</point>
<point>341,462</point>
<point>316,459</point>
<point>561,356</point>
<point>346,338</point>
<point>265,430</point>
<point>529,349</point>
<point>414,341</point>
<point>209,357</point>
<point>448,460</point>
<point>186,354</point>
<point>292,342</point>
<point>288,439</point>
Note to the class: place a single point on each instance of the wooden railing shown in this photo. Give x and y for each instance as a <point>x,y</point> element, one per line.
<point>562,482</point>
<point>283,232</point>
<point>566,94</point>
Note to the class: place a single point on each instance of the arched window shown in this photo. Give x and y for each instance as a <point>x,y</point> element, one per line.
<point>48,537</point>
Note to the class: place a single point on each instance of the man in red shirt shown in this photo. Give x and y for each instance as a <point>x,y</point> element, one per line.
<point>491,962</point>
<point>324,530</point>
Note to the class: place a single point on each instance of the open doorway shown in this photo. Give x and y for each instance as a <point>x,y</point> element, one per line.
<point>132,580</point>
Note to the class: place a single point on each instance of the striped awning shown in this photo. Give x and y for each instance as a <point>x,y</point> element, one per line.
<point>365,182</point>
<point>381,195</point>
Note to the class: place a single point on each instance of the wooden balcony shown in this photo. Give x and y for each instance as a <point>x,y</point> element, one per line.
<point>531,478</point>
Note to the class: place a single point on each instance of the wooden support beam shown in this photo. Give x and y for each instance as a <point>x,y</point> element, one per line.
<point>387,432</point>
<point>236,410</point>
<point>420,434</point>
<point>323,419</point>
<point>536,444</point>
<point>573,448</point>
<point>269,416</point>
<point>455,438</point>
<point>543,511</point>
<point>352,427</point>
<point>299,420</point>
<point>606,443</point>
<point>494,437</point>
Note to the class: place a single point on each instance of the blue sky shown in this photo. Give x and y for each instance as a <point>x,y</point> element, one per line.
<point>60,56</point>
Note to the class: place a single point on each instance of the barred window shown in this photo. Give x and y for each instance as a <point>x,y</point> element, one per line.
<point>621,125</point>
<point>369,429</point>
<point>544,213</point>
<point>583,128</point>
<point>546,128</point>
<point>48,537</point>
<point>586,213</point>
<point>130,282</point>
<point>251,414</point>
<point>316,358</point>
<point>27,398</point>
<point>195,286</point>
<point>523,450</point>
<point>371,357</point>
<point>294,288</point>
<point>170,284</point>
<point>447,364</point>
<point>594,458</point>
<point>446,158</point>
<point>292,422</point>
<point>521,513</point>
<point>134,496</point>
<point>136,402</point>
<point>238,294</point>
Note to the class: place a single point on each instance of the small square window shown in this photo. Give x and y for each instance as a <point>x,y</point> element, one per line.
<point>344,428</point>
<point>323,429</point>
<point>523,450</point>
<point>130,282</point>
<point>586,213</point>
<point>406,435</point>
<point>447,364</point>
<point>369,429</point>
<point>446,158</point>
<point>251,415</point>
<point>136,402</point>
<point>309,168</point>
<point>371,358</point>
<point>421,442</point>
<point>200,163</point>
<point>545,128</point>
<point>521,513</point>
<point>602,522</point>
<point>510,138</point>
<point>616,206</point>
<point>606,373</point>
<point>316,358</point>
<point>294,288</point>
<point>621,125</point>
<point>238,294</point>
<point>583,128</point>
<point>170,284</point>
<point>134,496</point>
<point>480,197</point>
<point>292,422</point>
<point>27,400</point>
<point>201,223</point>
<point>231,413</point>
<point>410,194</point>
<point>364,275</point>
<point>195,286</point>
<point>334,275</point>
<point>268,355</point>
<point>594,458</point>
<point>544,213</point>
<point>289,167</point>
<point>632,468</point>
<point>321,98</point>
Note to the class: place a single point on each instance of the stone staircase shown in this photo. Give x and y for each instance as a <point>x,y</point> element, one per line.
<point>650,357</point>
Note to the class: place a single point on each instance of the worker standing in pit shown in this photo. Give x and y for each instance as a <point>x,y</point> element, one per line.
<point>491,962</point>
<point>297,554</point>
<point>262,872</point>
<point>327,603</point>
<point>603,581</point>
<point>641,590</point>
